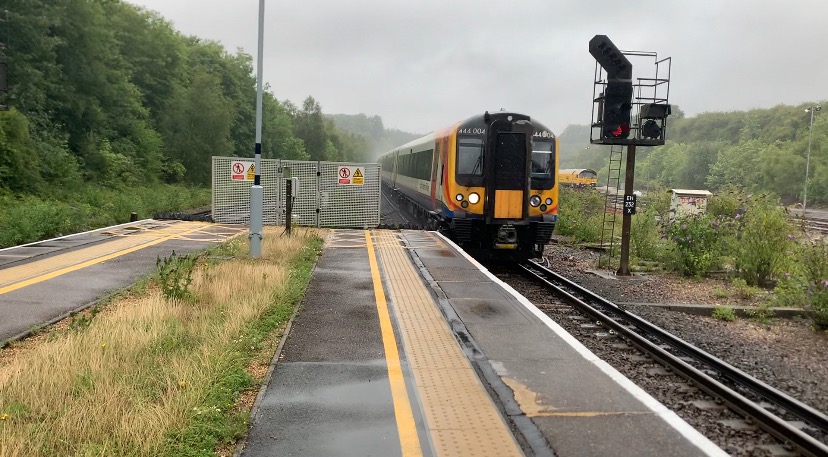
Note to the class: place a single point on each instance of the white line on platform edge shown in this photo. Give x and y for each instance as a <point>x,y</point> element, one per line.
<point>693,435</point>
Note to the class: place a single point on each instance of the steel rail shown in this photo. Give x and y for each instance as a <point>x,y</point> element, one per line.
<point>768,421</point>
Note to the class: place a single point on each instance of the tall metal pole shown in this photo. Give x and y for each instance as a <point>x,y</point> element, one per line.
<point>808,160</point>
<point>256,191</point>
<point>626,224</point>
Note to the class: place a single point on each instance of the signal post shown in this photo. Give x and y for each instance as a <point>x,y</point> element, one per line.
<point>629,113</point>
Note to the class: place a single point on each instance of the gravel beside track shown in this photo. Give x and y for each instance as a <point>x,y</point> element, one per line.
<point>785,354</point>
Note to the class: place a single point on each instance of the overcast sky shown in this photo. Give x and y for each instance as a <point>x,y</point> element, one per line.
<point>422,65</point>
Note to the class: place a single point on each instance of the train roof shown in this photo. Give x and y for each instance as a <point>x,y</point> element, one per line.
<point>476,121</point>
<point>480,119</point>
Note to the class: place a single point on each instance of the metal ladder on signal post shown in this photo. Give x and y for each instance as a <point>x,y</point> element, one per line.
<point>611,198</point>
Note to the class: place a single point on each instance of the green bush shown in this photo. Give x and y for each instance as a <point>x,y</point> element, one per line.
<point>726,203</point>
<point>818,305</point>
<point>696,243</point>
<point>581,214</point>
<point>814,266</point>
<point>724,314</point>
<point>26,218</point>
<point>790,292</point>
<point>762,313</point>
<point>764,241</point>
<point>815,261</point>
<point>645,239</point>
<point>743,290</point>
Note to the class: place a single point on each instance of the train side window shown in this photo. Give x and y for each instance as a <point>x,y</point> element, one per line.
<point>470,156</point>
<point>433,165</point>
<point>424,165</point>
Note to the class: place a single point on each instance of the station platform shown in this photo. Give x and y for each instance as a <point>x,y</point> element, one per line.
<point>405,346</point>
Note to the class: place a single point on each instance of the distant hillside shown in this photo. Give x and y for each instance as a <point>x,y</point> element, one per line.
<point>373,130</point>
<point>758,150</point>
<point>574,146</point>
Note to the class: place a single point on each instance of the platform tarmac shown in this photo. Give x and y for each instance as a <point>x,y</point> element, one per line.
<point>404,346</point>
<point>46,281</point>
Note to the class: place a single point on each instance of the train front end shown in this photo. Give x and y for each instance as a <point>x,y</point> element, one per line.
<point>504,191</point>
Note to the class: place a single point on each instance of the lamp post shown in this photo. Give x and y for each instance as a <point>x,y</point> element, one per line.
<point>256,191</point>
<point>812,110</point>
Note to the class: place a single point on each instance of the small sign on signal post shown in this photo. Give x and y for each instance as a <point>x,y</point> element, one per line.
<point>629,204</point>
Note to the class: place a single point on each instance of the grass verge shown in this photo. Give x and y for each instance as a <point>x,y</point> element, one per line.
<point>149,376</point>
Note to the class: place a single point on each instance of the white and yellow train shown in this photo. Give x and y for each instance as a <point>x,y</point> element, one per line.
<point>489,182</point>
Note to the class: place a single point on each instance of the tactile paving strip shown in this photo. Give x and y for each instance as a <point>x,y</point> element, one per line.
<point>461,418</point>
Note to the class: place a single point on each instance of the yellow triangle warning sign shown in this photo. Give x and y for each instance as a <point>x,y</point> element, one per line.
<point>358,173</point>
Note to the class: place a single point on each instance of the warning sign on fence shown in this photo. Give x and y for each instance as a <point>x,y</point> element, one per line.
<point>242,170</point>
<point>351,176</point>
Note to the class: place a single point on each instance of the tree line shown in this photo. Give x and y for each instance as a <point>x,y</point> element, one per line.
<point>760,150</point>
<point>104,92</point>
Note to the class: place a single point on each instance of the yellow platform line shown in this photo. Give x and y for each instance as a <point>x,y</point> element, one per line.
<point>461,418</point>
<point>43,270</point>
<point>407,428</point>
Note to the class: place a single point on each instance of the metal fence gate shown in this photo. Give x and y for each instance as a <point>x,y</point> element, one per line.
<point>325,198</point>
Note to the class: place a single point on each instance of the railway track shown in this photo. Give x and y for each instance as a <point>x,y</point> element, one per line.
<point>797,425</point>
<point>199,214</point>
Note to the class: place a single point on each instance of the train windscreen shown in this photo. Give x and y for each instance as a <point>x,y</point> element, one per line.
<point>542,160</point>
<point>470,156</point>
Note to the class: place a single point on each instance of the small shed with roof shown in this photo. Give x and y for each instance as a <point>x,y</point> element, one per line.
<point>685,202</point>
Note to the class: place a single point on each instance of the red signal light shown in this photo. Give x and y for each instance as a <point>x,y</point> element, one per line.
<point>622,131</point>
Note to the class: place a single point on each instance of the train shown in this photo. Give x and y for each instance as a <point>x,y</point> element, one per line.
<point>489,182</point>
<point>578,177</point>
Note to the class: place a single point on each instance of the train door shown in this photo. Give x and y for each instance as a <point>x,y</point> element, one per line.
<point>508,178</point>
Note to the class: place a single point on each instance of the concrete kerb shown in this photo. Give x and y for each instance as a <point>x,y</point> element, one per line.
<point>702,309</point>
<point>707,310</point>
<point>254,411</point>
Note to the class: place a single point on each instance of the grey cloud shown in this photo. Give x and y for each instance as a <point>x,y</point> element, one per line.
<point>422,65</point>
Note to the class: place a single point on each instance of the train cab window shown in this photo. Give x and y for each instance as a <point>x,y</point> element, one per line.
<point>543,165</point>
<point>543,162</point>
<point>588,174</point>
<point>470,156</point>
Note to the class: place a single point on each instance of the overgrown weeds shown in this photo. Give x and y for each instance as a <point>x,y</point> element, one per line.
<point>724,314</point>
<point>152,375</point>
<point>696,242</point>
<point>581,214</point>
<point>175,274</point>
<point>743,290</point>
<point>746,236</point>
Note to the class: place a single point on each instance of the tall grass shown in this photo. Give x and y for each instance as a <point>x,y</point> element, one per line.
<point>26,218</point>
<point>150,376</point>
<point>581,214</point>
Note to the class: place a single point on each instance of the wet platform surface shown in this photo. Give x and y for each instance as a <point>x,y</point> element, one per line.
<point>483,371</point>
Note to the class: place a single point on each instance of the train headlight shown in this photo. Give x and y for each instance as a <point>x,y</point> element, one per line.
<point>464,204</point>
<point>548,201</point>
<point>535,200</point>
<point>474,198</point>
<point>543,208</point>
<point>459,197</point>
